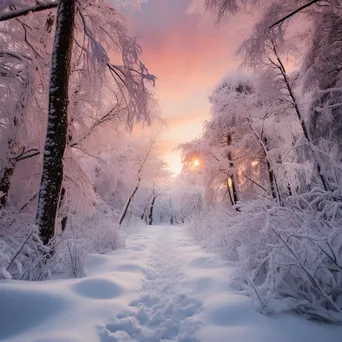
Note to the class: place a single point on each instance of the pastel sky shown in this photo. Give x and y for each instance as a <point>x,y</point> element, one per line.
<point>189,55</point>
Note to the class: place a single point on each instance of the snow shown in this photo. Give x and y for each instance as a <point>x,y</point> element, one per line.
<point>161,287</point>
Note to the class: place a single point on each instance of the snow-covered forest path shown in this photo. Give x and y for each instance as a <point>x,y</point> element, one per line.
<point>161,287</point>
<point>166,305</point>
<point>185,296</point>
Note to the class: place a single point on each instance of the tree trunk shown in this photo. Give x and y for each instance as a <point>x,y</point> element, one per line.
<point>124,213</point>
<point>5,185</point>
<point>228,190</point>
<point>52,175</point>
<point>232,176</point>
<point>271,175</point>
<point>235,189</point>
<point>306,133</point>
<point>64,219</point>
<point>144,214</point>
<point>150,216</point>
<point>272,178</point>
<point>171,216</point>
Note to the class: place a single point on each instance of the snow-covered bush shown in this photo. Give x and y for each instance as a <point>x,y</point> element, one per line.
<point>23,255</point>
<point>289,257</point>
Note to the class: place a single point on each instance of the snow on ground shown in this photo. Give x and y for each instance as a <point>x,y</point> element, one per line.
<point>161,287</point>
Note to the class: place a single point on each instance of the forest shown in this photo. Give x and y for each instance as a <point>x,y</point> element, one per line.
<point>260,186</point>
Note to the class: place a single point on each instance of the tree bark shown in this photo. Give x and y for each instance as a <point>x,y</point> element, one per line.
<point>150,216</point>
<point>5,185</point>
<point>55,142</point>
<point>64,219</point>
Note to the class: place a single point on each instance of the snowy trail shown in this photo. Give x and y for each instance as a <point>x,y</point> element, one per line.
<point>163,309</point>
<point>161,287</point>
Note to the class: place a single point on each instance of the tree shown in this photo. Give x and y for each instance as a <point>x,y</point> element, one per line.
<point>282,10</point>
<point>23,66</point>
<point>149,171</point>
<point>94,30</point>
<point>281,245</point>
<point>52,175</point>
<point>139,176</point>
<point>321,77</point>
<point>233,153</point>
<point>150,215</point>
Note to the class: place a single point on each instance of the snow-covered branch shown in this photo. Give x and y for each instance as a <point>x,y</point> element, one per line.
<point>40,6</point>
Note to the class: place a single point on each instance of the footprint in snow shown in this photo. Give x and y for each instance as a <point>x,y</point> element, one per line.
<point>162,312</point>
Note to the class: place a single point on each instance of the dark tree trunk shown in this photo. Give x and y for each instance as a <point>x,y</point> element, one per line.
<point>52,175</point>
<point>144,214</point>
<point>150,216</point>
<point>64,219</point>
<point>5,185</point>
<point>232,176</point>
<point>64,222</point>
<point>171,216</point>
<point>124,213</point>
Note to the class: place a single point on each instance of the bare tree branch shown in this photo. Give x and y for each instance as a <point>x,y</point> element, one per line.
<point>294,12</point>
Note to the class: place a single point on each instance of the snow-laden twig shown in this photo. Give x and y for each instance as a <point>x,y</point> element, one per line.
<point>40,6</point>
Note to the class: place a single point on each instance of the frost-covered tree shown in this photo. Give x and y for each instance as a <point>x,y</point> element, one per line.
<point>322,74</point>
<point>102,31</point>
<point>238,150</point>
<point>25,62</point>
<point>107,93</point>
<point>288,251</point>
<point>280,12</point>
<point>142,160</point>
<point>55,142</point>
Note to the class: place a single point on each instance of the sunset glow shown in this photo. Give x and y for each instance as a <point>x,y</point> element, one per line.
<point>170,170</point>
<point>176,44</point>
<point>229,182</point>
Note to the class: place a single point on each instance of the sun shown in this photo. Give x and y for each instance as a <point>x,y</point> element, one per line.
<point>196,162</point>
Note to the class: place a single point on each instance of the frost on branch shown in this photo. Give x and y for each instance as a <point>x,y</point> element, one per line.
<point>108,93</point>
<point>105,32</point>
